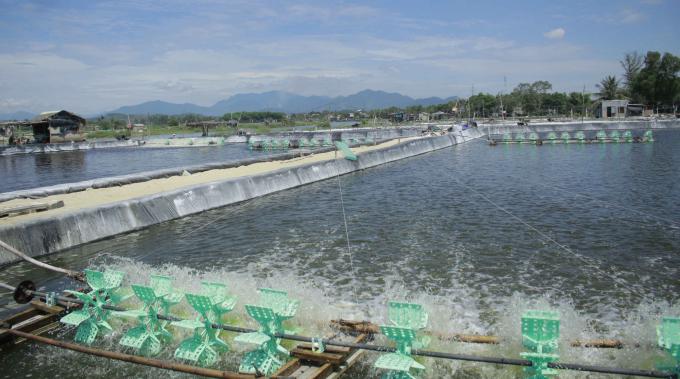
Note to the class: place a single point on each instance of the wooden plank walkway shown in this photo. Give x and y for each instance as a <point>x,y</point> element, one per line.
<point>38,318</point>
<point>332,363</point>
<point>30,208</point>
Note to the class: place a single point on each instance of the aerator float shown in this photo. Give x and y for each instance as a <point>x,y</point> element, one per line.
<point>552,138</point>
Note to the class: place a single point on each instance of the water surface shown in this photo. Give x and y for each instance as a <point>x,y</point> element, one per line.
<point>24,171</point>
<point>475,233</point>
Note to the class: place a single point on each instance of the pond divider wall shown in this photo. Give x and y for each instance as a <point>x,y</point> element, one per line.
<point>48,235</point>
<point>144,176</point>
<point>74,146</point>
<point>347,133</point>
<point>382,134</point>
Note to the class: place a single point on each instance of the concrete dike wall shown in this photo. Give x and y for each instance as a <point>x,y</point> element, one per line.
<point>59,231</point>
<point>345,133</point>
<point>120,180</point>
<point>573,126</point>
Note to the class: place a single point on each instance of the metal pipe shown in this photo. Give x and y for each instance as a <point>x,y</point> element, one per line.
<point>417,352</point>
<point>613,370</point>
<point>166,365</point>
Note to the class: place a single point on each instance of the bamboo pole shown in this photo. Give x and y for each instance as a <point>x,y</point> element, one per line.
<point>71,274</point>
<point>368,327</point>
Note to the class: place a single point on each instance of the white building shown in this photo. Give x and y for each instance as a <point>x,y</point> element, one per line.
<point>611,109</point>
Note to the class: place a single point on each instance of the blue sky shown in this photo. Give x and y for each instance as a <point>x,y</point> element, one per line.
<point>93,56</point>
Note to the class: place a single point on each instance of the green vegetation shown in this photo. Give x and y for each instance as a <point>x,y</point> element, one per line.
<point>651,80</point>
<point>609,88</point>
<point>254,117</point>
<point>324,125</point>
<point>657,83</point>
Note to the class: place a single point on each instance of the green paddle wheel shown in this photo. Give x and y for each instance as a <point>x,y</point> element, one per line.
<point>580,137</point>
<point>628,136</point>
<point>275,307</point>
<point>406,320</point>
<point>540,334</point>
<point>92,317</point>
<point>615,136</point>
<point>149,336</point>
<point>533,137</point>
<point>668,334</point>
<point>552,137</point>
<point>565,137</point>
<point>205,345</point>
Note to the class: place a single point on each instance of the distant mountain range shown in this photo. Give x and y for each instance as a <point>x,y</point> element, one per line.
<point>279,101</point>
<point>274,101</point>
<point>20,115</point>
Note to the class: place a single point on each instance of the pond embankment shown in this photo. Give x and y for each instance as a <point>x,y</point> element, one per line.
<point>98,213</point>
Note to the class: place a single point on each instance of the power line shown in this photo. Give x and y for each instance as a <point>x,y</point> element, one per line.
<point>349,248</point>
<point>544,235</point>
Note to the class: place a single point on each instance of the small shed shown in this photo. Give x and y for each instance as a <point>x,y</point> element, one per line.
<point>206,125</point>
<point>58,126</point>
<point>611,109</point>
<point>397,116</point>
<point>439,115</point>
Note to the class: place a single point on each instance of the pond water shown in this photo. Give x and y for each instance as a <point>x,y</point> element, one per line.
<point>477,234</point>
<point>24,171</point>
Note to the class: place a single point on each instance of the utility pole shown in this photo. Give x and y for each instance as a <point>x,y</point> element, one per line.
<point>505,89</point>
<point>472,93</point>
<point>583,103</point>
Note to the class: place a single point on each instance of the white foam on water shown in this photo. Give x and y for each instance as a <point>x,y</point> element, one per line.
<point>457,309</point>
<point>451,311</point>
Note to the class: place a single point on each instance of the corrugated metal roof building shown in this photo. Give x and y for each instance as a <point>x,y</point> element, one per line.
<point>57,126</point>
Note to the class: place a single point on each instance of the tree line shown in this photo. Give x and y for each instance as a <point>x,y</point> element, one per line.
<point>650,79</point>
<point>526,99</point>
<point>113,121</point>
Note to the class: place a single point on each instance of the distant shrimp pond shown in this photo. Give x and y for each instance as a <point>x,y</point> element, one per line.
<point>476,234</point>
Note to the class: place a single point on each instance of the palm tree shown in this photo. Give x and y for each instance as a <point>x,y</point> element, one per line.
<point>609,88</point>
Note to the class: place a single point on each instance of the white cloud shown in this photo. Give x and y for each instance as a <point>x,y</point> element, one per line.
<point>555,33</point>
<point>205,51</point>
<point>326,12</point>
<point>11,104</point>
<point>432,65</point>
<point>173,85</point>
<point>629,16</point>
